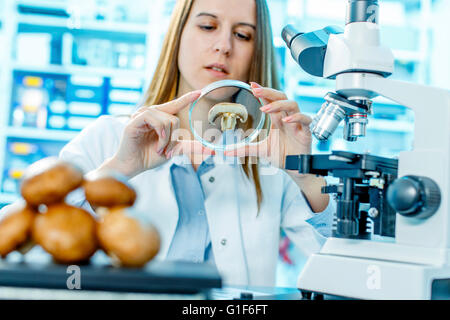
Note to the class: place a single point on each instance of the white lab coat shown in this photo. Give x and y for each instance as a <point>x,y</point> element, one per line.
<point>244,243</point>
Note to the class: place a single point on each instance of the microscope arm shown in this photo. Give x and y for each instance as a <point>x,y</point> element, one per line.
<point>430,155</point>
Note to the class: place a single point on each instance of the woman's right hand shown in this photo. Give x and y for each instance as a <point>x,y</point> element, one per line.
<point>147,140</point>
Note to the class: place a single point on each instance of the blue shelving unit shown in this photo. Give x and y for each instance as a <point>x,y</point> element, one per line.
<point>68,63</point>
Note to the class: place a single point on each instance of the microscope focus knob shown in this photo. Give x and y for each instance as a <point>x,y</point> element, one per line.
<point>414,196</point>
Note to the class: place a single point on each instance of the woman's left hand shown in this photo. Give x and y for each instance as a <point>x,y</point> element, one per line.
<point>289,133</point>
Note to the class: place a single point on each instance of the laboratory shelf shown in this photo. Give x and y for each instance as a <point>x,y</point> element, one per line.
<point>312,91</point>
<point>391,126</point>
<point>6,198</point>
<point>87,26</point>
<point>82,70</point>
<point>40,134</point>
<point>45,4</point>
<point>95,76</point>
<point>408,55</point>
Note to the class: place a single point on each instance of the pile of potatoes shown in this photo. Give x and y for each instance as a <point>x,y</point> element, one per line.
<point>70,234</point>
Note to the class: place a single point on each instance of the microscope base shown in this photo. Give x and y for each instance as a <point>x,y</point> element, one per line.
<point>365,277</point>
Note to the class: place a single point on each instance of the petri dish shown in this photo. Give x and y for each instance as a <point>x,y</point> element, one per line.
<point>227,116</point>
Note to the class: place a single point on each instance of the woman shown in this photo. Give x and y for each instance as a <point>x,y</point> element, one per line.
<point>207,210</point>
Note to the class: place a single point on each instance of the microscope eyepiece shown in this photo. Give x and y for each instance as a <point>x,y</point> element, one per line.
<point>288,34</point>
<point>308,49</point>
<point>362,11</point>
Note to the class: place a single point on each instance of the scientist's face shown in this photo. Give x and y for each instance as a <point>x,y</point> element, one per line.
<point>217,42</point>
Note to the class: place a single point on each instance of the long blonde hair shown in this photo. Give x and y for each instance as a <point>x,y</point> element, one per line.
<point>164,85</point>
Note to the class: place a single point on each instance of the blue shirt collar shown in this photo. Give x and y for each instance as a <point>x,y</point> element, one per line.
<point>183,161</point>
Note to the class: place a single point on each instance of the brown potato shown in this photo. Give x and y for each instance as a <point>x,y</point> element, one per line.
<point>108,190</point>
<point>15,227</point>
<point>126,239</point>
<point>49,180</point>
<point>67,233</point>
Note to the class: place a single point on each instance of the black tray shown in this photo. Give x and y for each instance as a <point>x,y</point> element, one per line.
<point>37,270</point>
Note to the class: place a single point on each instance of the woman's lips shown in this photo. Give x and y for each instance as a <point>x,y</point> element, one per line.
<point>217,72</point>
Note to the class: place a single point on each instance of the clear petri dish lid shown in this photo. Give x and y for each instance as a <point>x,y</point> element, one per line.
<point>227,116</point>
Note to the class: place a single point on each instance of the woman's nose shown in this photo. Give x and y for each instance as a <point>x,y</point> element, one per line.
<point>223,44</point>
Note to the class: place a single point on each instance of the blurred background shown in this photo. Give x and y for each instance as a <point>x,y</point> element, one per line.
<point>63,63</point>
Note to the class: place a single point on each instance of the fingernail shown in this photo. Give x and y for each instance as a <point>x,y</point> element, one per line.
<point>287,119</point>
<point>264,108</point>
<point>163,133</point>
<point>255,85</point>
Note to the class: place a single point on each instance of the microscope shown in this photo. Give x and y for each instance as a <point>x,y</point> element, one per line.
<point>391,231</point>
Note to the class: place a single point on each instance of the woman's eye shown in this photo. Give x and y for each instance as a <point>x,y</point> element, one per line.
<point>207,28</point>
<point>242,36</point>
